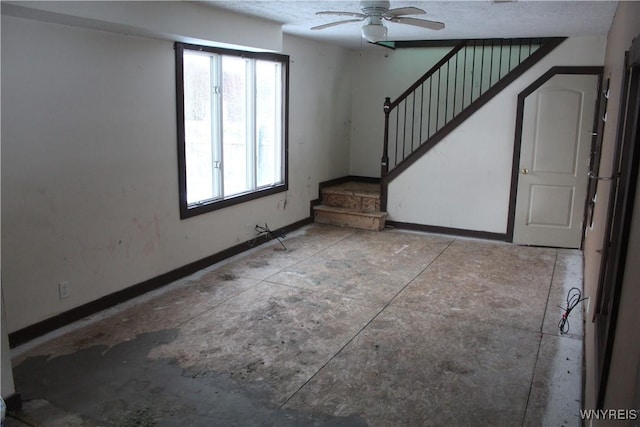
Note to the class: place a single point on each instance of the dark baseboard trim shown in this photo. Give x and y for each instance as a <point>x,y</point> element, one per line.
<point>448,230</point>
<point>13,402</point>
<point>31,332</point>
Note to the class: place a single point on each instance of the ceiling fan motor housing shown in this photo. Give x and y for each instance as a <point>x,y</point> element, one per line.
<point>374,8</point>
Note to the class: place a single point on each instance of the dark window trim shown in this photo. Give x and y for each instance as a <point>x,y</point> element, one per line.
<point>187,211</point>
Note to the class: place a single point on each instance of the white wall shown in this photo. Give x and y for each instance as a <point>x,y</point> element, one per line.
<point>319,111</point>
<point>89,162</point>
<point>464,181</point>
<point>377,73</point>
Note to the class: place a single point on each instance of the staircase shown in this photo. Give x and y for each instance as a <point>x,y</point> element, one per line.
<point>468,77</point>
<point>351,204</point>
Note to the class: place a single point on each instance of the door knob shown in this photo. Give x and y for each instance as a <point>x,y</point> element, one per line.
<point>524,171</point>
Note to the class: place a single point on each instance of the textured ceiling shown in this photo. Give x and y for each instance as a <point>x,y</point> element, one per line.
<point>463,19</point>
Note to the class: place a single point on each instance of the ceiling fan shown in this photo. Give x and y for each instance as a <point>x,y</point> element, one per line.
<point>374,12</point>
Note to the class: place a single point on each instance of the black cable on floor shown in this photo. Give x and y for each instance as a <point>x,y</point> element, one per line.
<point>574,297</point>
<point>266,231</point>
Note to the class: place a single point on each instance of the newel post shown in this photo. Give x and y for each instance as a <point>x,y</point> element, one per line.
<point>384,164</point>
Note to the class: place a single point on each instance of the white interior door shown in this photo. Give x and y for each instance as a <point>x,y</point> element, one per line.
<point>554,160</point>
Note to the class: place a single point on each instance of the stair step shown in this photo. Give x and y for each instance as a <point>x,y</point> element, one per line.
<point>345,217</point>
<point>360,196</point>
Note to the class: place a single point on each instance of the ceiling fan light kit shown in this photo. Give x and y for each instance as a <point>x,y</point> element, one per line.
<point>374,12</point>
<point>374,32</point>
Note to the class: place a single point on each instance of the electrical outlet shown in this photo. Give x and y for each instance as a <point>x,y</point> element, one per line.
<point>63,289</point>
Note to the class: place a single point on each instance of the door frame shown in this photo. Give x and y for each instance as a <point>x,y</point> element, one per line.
<point>596,71</point>
<point>618,221</point>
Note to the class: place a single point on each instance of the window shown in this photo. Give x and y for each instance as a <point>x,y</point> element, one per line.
<point>232,126</point>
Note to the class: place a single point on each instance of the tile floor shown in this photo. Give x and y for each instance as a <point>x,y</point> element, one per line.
<point>344,328</point>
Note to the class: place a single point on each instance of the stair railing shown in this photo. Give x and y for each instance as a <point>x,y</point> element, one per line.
<point>466,78</point>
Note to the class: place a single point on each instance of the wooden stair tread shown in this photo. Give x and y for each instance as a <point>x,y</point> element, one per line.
<point>335,209</point>
<point>360,189</point>
<point>351,204</point>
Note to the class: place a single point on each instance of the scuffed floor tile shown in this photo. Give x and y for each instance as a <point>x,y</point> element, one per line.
<point>488,282</point>
<point>167,311</point>
<point>557,384</point>
<point>270,337</point>
<point>424,369</point>
<point>344,328</point>
<point>370,266</point>
<point>273,257</point>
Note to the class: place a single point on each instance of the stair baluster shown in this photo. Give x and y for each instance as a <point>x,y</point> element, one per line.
<point>480,71</point>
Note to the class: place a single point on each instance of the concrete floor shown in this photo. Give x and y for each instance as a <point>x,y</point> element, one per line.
<point>344,328</point>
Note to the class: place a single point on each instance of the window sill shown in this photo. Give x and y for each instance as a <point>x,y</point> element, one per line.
<point>195,210</point>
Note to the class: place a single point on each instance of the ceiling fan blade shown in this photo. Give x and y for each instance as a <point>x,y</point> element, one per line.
<point>332,13</point>
<point>333,24</point>
<point>431,25</point>
<point>404,11</point>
